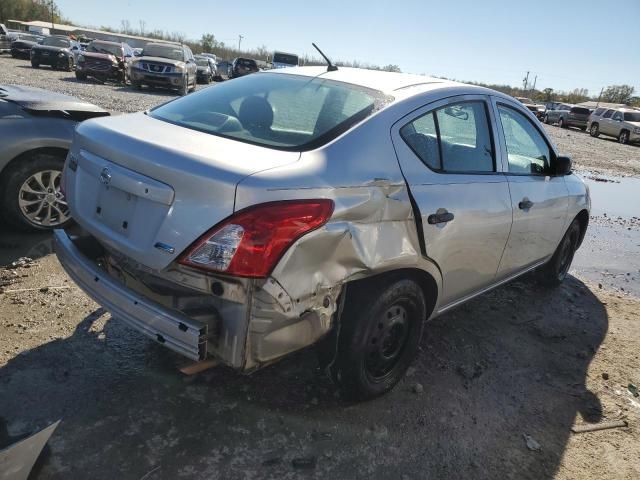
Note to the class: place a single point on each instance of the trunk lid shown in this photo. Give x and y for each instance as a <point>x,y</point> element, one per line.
<point>148,189</point>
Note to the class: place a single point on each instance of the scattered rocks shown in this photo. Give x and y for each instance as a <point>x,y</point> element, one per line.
<point>605,376</point>
<point>418,388</point>
<point>531,443</point>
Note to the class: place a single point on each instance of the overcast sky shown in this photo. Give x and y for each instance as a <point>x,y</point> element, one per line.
<point>566,43</point>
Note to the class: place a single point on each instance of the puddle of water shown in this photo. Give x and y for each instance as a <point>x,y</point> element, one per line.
<point>617,196</point>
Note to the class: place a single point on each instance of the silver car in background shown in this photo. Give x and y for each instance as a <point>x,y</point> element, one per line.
<point>304,206</point>
<point>36,129</point>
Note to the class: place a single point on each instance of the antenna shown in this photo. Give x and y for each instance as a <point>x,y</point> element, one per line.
<point>330,66</point>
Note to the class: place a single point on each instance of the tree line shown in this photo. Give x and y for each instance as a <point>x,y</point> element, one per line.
<point>27,10</point>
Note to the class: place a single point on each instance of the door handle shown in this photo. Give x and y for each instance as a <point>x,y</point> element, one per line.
<point>436,218</point>
<point>525,204</point>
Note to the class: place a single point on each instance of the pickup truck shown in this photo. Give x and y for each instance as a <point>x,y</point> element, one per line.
<point>566,116</point>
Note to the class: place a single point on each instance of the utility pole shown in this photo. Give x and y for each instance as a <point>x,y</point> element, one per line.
<point>599,97</point>
<point>51,5</point>
<point>240,37</point>
<point>534,82</point>
<point>525,81</point>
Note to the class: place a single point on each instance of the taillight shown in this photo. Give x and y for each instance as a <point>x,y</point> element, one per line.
<point>251,242</point>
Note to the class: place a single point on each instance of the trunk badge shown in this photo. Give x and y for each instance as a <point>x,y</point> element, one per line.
<point>105,176</point>
<point>164,247</point>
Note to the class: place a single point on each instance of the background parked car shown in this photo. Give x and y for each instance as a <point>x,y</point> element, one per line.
<point>57,51</point>
<point>566,115</point>
<point>242,66</point>
<point>36,127</point>
<point>105,61</point>
<point>224,68</point>
<point>537,109</point>
<point>165,65</point>
<point>21,46</point>
<point>5,42</point>
<point>207,70</point>
<point>621,123</point>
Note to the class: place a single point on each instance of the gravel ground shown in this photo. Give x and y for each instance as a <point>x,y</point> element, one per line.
<point>516,364</point>
<point>597,155</point>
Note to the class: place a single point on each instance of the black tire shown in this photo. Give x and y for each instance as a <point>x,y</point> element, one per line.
<point>14,54</point>
<point>562,123</point>
<point>594,131</point>
<point>584,129</point>
<point>81,75</point>
<point>552,273</point>
<point>14,177</point>
<point>623,138</point>
<point>380,330</point>
<point>69,65</point>
<point>545,119</point>
<point>184,88</point>
<point>35,64</point>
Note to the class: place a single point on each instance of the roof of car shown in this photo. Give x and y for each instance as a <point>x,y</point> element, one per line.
<point>387,82</point>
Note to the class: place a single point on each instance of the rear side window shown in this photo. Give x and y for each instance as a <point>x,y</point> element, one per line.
<point>580,110</point>
<point>598,111</point>
<point>632,116</point>
<point>608,114</point>
<point>454,139</point>
<point>617,116</point>
<point>527,151</point>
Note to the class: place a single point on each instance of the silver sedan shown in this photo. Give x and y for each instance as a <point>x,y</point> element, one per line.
<point>301,206</point>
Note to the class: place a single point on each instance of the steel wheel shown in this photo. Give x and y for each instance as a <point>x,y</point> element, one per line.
<point>594,131</point>
<point>41,201</point>
<point>387,341</point>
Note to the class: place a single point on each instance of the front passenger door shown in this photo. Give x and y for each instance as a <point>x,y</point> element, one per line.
<point>539,199</point>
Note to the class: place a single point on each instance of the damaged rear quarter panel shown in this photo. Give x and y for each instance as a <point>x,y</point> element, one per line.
<point>372,230</point>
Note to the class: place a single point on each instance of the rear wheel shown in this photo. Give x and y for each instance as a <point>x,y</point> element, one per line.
<point>561,123</point>
<point>380,330</point>
<point>30,193</point>
<point>594,131</point>
<point>623,138</point>
<point>69,64</point>
<point>553,272</point>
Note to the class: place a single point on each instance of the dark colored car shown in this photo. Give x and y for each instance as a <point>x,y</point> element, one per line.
<point>166,65</point>
<point>56,51</point>
<point>21,46</point>
<point>5,41</point>
<point>36,128</point>
<point>105,61</point>
<point>242,66</point>
<point>207,70</point>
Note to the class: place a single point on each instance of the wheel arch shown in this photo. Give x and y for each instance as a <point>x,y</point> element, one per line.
<point>55,151</point>
<point>583,219</point>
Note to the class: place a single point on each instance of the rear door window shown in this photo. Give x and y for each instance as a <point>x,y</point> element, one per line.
<point>617,116</point>
<point>598,112</point>
<point>453,139</point>
<point>608,114</point>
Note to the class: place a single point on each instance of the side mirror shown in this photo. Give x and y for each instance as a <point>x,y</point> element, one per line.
<point>563,165</point>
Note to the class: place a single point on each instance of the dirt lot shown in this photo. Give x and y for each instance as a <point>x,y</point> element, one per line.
<point>518,361</point>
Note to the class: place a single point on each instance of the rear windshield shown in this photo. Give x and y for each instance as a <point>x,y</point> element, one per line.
<point>285,58</point>
<point>107,48</point>
<point>632,116</point>
<point>202,62</point>
<point>56,42</point>
<point>287,112</point>
<point>580,110</point>
<point>246,62</point>
<point>164,51</point>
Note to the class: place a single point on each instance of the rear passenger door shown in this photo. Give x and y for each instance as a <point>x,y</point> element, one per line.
<point>539,199</point>
<point>606,123</point>
<point>447,154</point>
